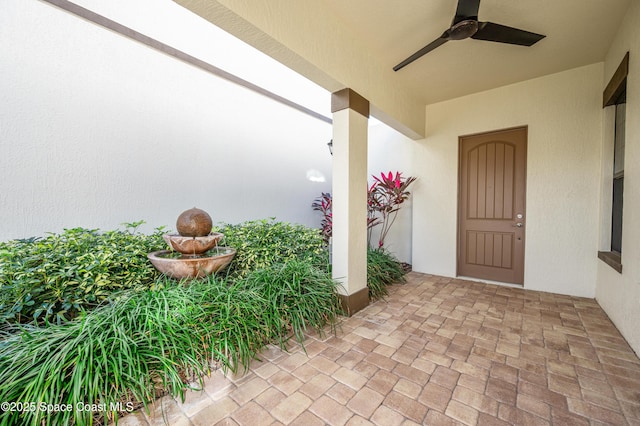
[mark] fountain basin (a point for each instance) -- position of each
(181, 267)
(192, 245)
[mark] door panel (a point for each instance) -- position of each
(491, 212)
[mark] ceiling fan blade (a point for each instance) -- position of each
(502, 34)
(428, 48)
(467, 9)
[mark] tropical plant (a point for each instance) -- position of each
(323, 204)
(52, 279)
(390, 193)
(373, 200)
(384, 198)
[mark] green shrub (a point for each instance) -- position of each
(383, 269)
(130, 348)
(261, 243)
(298, 294)
(55, 277)
(143, 343)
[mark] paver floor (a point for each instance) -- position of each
(436, 351)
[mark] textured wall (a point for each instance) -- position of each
(619, 294)
(391, 151)
(564, 118)
(96, 130)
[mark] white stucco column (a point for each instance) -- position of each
(349, 256)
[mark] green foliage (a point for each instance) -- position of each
(384, 199)
(52, 279)
(387, 194)
(383, 269)
(147, 335)
(144, 342)
(128, 348)
(299, 295)
(261, 243)
(324, 204)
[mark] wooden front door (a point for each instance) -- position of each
(491, 207)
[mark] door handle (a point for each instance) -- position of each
(518, 225)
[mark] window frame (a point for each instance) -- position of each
(614, 95)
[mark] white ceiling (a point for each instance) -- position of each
(578, 32)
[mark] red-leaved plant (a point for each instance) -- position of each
(390, 193)
(384, 198)
(323, 205)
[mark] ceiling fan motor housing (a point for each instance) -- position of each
(463, 29)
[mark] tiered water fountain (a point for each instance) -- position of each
(196, 248)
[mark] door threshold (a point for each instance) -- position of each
(483, 280)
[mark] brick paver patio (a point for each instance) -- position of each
(437, 351)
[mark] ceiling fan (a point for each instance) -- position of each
(465, 24)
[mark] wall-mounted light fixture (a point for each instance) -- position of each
(330, 145)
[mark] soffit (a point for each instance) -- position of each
(356, 43)
(578, 32)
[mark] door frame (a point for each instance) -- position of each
(520, 279)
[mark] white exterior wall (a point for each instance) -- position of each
(563, 115)
(390, 151)
(619, 294)
(97, 130)
(349, 200)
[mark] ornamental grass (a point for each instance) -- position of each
(106, 333)
(141, 345)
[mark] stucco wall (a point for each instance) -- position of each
(619, 294)
(389, 150)
(96, 130)
(563, 115)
